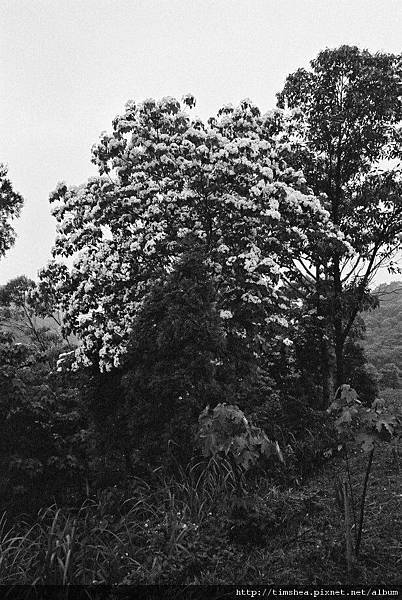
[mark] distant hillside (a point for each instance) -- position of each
(23, 334)
(20, 330)
(384, 327)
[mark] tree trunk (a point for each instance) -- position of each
(339, 346)
(339, 339)
(363, 500)
(348, 533)
(328, 369)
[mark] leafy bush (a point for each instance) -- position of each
(44, 434)
(226, 431)
(304, 434)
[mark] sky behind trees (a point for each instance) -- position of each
(67, 67)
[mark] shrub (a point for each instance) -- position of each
(304, 434)
(44, 434)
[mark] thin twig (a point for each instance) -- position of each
(363, 500)
(351, 493)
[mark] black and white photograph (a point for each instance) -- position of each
(200, 298)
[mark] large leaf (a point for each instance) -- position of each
(387, 422)
(366, 441)
(226, 430)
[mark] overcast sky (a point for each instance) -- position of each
(69, 66)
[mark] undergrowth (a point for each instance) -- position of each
(186, 529)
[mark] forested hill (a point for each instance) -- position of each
(384, 327)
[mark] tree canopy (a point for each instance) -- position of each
(166, 181)
(342, 123)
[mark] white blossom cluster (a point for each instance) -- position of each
(167, 180)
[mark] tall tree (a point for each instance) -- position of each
(342, 122)
(167, 179)
(15, 311)
(10, 206)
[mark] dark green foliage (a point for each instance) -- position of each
(43, 432)
(347, 111)
(304, 434)
(225, 432)
(365, 381)
(351, 101)
(172, 370)
(105, 398)
(314, 359)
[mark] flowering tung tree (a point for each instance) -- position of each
(167, 180)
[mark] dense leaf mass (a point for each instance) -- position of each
(342, 127)
(167, 179)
